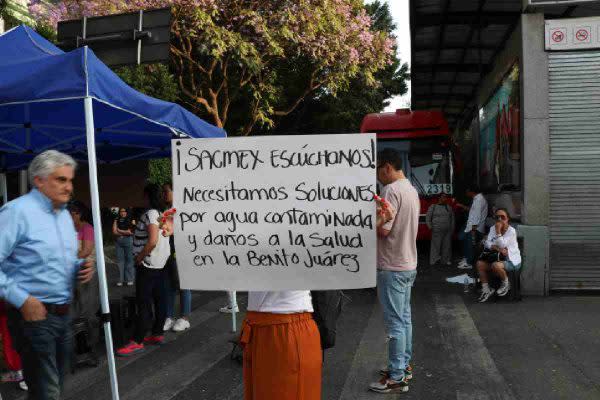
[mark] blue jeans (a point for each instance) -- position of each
(468, 247)
(124, 248)
(185, 302)
(45, 349)
(394, 290)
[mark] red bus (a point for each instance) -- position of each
(423, 140)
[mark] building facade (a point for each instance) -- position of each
(519, 83)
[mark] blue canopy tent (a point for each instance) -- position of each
(73, 103)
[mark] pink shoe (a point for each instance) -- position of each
(130, 349)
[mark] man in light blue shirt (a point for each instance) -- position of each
(38, 270)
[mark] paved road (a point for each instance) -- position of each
(541, 348)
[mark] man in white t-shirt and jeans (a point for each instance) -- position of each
(397, 270)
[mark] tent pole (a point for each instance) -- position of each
(4, 188)
(91, 150)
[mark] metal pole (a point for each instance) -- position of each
(91, 150)
(23, 182)
(233, 321)
(4, 188)
(139, 42)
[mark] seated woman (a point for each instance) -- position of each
(503, 240)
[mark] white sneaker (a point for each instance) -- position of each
(462, 262)
(168, 324)
(485, 295)
(464, 266)
(503, 290)
(12, 376)
(181, 325)
(229, 309)
(23, 386)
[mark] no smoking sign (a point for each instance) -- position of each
(583, 34)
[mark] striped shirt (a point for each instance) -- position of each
(140, 236)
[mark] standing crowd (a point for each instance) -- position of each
(47, 259)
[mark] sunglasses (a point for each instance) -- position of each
(500, 217)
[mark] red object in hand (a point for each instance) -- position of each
(168, 214)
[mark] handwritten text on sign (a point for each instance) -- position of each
(275, 213)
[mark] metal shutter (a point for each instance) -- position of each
(574, 170)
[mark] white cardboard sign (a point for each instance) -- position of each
(275, 213)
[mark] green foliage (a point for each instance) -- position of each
(159, 171)
(152, 79)
(328, 113)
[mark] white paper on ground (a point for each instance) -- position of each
(460, 279)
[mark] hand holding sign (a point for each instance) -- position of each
(166, 222)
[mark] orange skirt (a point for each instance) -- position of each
(282, 357)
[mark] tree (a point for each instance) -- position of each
(243, 64)
(325, 113)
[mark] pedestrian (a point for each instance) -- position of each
(123, 227)
(232, 305)
(185, 296)
(151, 250)
(38, 271)
(440, 219)
(502, 255)
(282, 347)
(397, 270)
(12, 360)
(475, 227)
(86, 299)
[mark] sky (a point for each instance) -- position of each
(399, 9)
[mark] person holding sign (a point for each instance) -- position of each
(282, 347)
(397, 269)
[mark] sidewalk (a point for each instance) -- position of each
(540, 348)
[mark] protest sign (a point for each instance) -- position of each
(275, 213)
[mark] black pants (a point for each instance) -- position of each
(150, 289)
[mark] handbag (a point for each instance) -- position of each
(491, 256)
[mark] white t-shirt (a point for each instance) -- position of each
(477, 214)
(160, 254)
(284, 302)
(506, 241)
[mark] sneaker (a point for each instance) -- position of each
(23, 386)
(12, 376)
(462, 262)
(408, 372)
(131, 349)
(156, 340)
(181, 325)
(386, 385)
(129, 283)
(503, 290)
(119, 284)
(229, 309)
(464, 266)
(485, 295)
(168, 324)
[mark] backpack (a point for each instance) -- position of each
(327, 305)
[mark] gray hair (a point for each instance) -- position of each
(44, 164)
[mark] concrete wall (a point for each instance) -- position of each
(120, 185)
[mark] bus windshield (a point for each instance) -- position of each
(426, 162)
